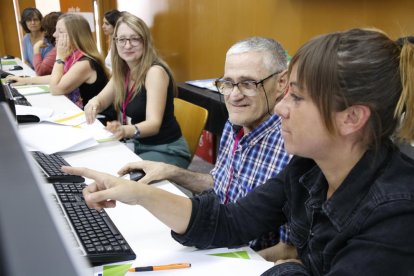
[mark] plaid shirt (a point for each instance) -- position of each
(259, 155)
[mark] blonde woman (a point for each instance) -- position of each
(79, 71)
(142, 91)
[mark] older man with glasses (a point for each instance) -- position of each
(251, 146)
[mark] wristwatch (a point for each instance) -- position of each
(137, 133)
(59, 61)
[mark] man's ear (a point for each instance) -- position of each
(283, 80)
(282, 84)
(353, 119)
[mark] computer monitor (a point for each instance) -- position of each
(32, 239)
(6, 96)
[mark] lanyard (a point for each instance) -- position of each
(130, 93)
(239, 135)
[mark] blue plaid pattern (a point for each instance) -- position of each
(260, 155)
(284, 234)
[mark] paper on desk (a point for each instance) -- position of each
(46, 114)
(201, 264)
(208, 83)
(52, 138)
(41, 112)
(242, 254)
(32, 89)
(98, 131)
(68, 118)
(77, 119)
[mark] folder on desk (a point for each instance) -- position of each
(27, 90)
(8, 62)
(207, 83)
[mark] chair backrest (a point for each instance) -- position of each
(192, 119)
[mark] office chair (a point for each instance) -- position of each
(192, 119)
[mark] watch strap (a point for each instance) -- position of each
(137, 133)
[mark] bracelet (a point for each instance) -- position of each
(59, 61)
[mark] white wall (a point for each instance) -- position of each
(142, 9)
(48, 6)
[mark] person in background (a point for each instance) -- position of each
(142, 89)
(44, 65)
(401, 40)
(251, 147)
(348, 192)
(108, 26)
(407, 147)
(31, 23)
(79, 71)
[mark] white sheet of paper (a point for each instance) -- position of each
(68, 118)
(201, 264)
(98, 131)
(41, 112)
(52, 138)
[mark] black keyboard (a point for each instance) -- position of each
(102, 243)
(51, 167)
(4, 74)
(18, 97)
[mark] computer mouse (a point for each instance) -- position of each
(7, 57)
(11, 81)
(16, 67)
(136, 175)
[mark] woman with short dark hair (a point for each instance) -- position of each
(31, 23)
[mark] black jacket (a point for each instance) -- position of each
(365, 228)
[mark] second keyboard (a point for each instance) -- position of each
(51, 164)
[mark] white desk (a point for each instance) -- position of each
(149, 238)
(26, 71)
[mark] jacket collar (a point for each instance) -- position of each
(346, 199)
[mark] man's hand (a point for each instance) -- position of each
(153, 170)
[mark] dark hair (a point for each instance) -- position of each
(28, 14)
(112, 16)
(360, 67)
(49, 25)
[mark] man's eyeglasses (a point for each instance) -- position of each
(133, 41)
(247, 87)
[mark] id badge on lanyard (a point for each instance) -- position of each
(126, 120)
